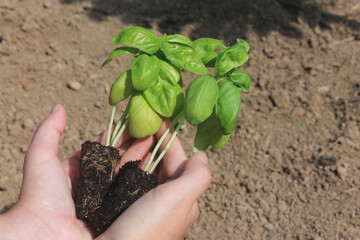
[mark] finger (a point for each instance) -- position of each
(193, 214)
(138, 150)
(193, 181)
(43, 173)
(175, 157)
(145, 161)
(44, 146)
(101, 138)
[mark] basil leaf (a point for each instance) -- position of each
(201, 96)
(209, 136)
(180, 101)
(119, 52)
(143, 120)
(163, 95)
(145, 70)
(240, 79)
(230, 58)
(138, 37)
(210, 60)
(169, 72)
(183, 57)
(244, 43)
(220, 143)
(121, 88)
(206, 46)
(227, 106)
(177, 38)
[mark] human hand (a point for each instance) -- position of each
(46, 210)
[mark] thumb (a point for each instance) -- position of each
(41, 162)
(194, 180)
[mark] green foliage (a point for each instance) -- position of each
(163, 96)
(145, 70)
(205, 47)
(177, 38)
(155, 83)
(240, 80)
(138, 37)
(209, 136)
(183, 57)
(200, 98)
(121, 88)
(227, 106)
(143, 120)
(231, 57)
(120, 51)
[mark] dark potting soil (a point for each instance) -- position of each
(101, 197)
(129, 185)
(97, 167)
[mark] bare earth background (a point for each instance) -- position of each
(292, 167)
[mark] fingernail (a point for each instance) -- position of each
(202, 157)
(55, 108)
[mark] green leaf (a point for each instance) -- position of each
(138, 37)
(180, 101)
(217, 146)
(210, 60)
(177, 38)
(240, 80)
(143, 119)
(119, 52)
(163, 95)
(121, 88)
(209, 136)
(201, 96)
(169, 72)
(206, 46)
(230, 58)
(145, 70)
(183, 57)
(227, 106)
(244, 43)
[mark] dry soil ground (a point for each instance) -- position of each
(292, 167)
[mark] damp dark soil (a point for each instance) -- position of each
(129, 185)
(101, 197)
(97, 168)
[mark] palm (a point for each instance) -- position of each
(46, 208)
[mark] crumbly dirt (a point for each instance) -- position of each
(291, 169)
(129, 185)
(97, 170)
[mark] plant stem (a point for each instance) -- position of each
(118, 135)
(167, 145)
(172, 124)
(119, 123)
(110, 126)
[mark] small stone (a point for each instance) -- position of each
(270, 53)
(74, 85)
(273, 214)
(269, 226)
(47, 4)
(341, 172)
(28, 124)
(282, 206)
(23, 148)
(251, 187)
(264, 206)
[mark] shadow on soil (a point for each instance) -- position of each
(229, 19)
